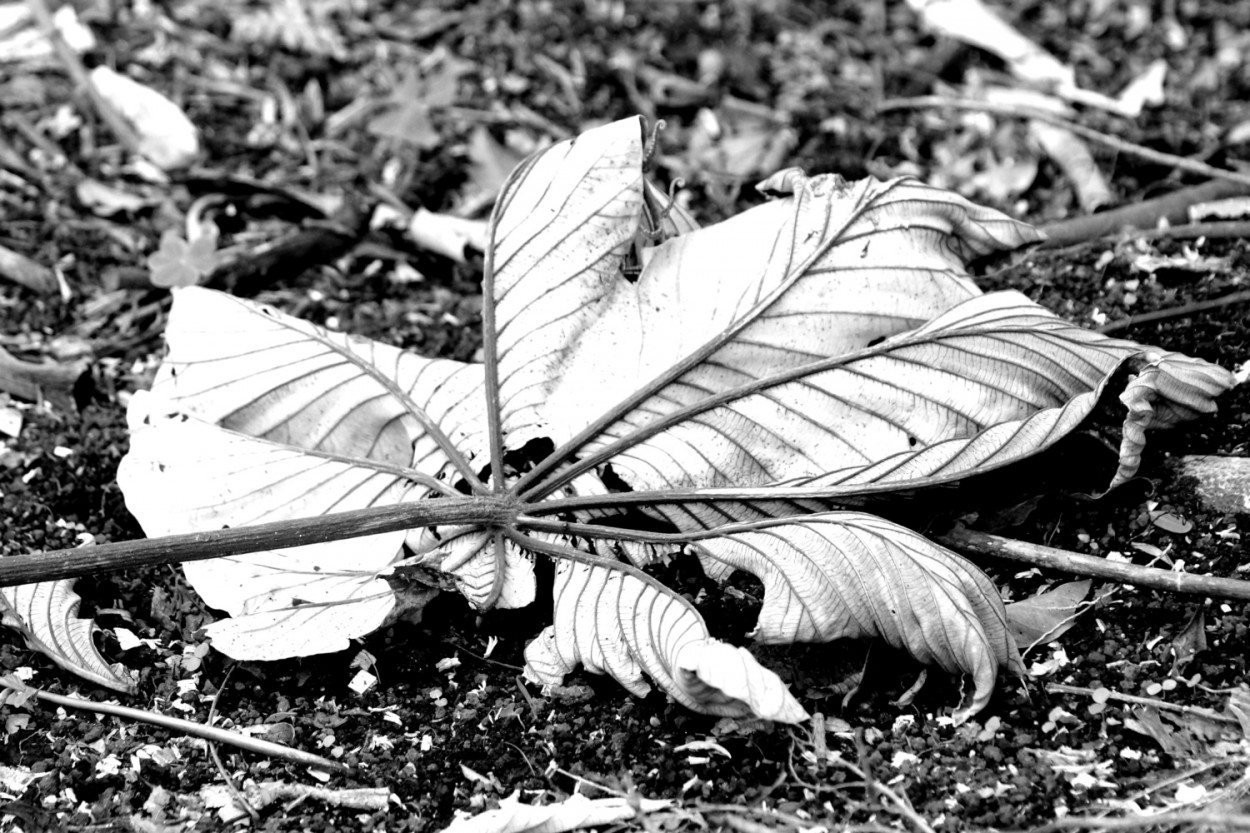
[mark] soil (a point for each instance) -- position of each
(448, 729)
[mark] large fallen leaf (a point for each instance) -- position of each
(649, 389)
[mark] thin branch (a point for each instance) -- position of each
(1198, 711)
(1214, 819)
(1177, 312)
(73, 65)
(982, 543)
(233, 788)
(186, 727)
(1120, 145)
(1215, 230)
(1148, 214)
(217, 543)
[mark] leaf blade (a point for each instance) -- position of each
(46, 614)
(614, 619)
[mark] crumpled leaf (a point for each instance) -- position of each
(1047, 616)
(847, 574)
(573, 813)
(46, 614)
(617, 620)
(715, 392)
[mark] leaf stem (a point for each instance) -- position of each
(196, 546)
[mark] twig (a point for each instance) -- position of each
(239, 797)
(1120, 145)
(1173, 207)
(73, 65)
(982, 543)
(186, 727)
(1176, 312)
(744, 825)
(35, 382)
(1218, 820)
(516, 669)
(1216, 230)
(20, 269)
(899, 804)
(1208, 714)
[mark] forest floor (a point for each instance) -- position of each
(428, 105)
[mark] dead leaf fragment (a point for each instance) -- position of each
(166, 136)
(51, 381)
(1190, 641)
(1048, 615)
(46, 614)
(573, 813)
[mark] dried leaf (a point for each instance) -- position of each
(614, 619)
(1047, 616)
(1191, 641)
(573, 813)
(46, 614)
(651, 390)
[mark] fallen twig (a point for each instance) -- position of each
(20, 269)
(1171, 208)
(982, 543)
(177, 724)
(74, 66)
(239, 798)
(1176, 312)
(1120, 145)
(37, 382)
(1198, 711)
(1214, 819)
(1218, 230)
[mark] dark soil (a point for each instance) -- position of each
(531, 72)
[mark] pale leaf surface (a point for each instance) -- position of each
(779, 286)
(992, 381)
(46, 614)
(573, 813)
(847, 574)
(615, 620)
(184, 474)
(252, 369)
(567, 219)
(256, 417)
